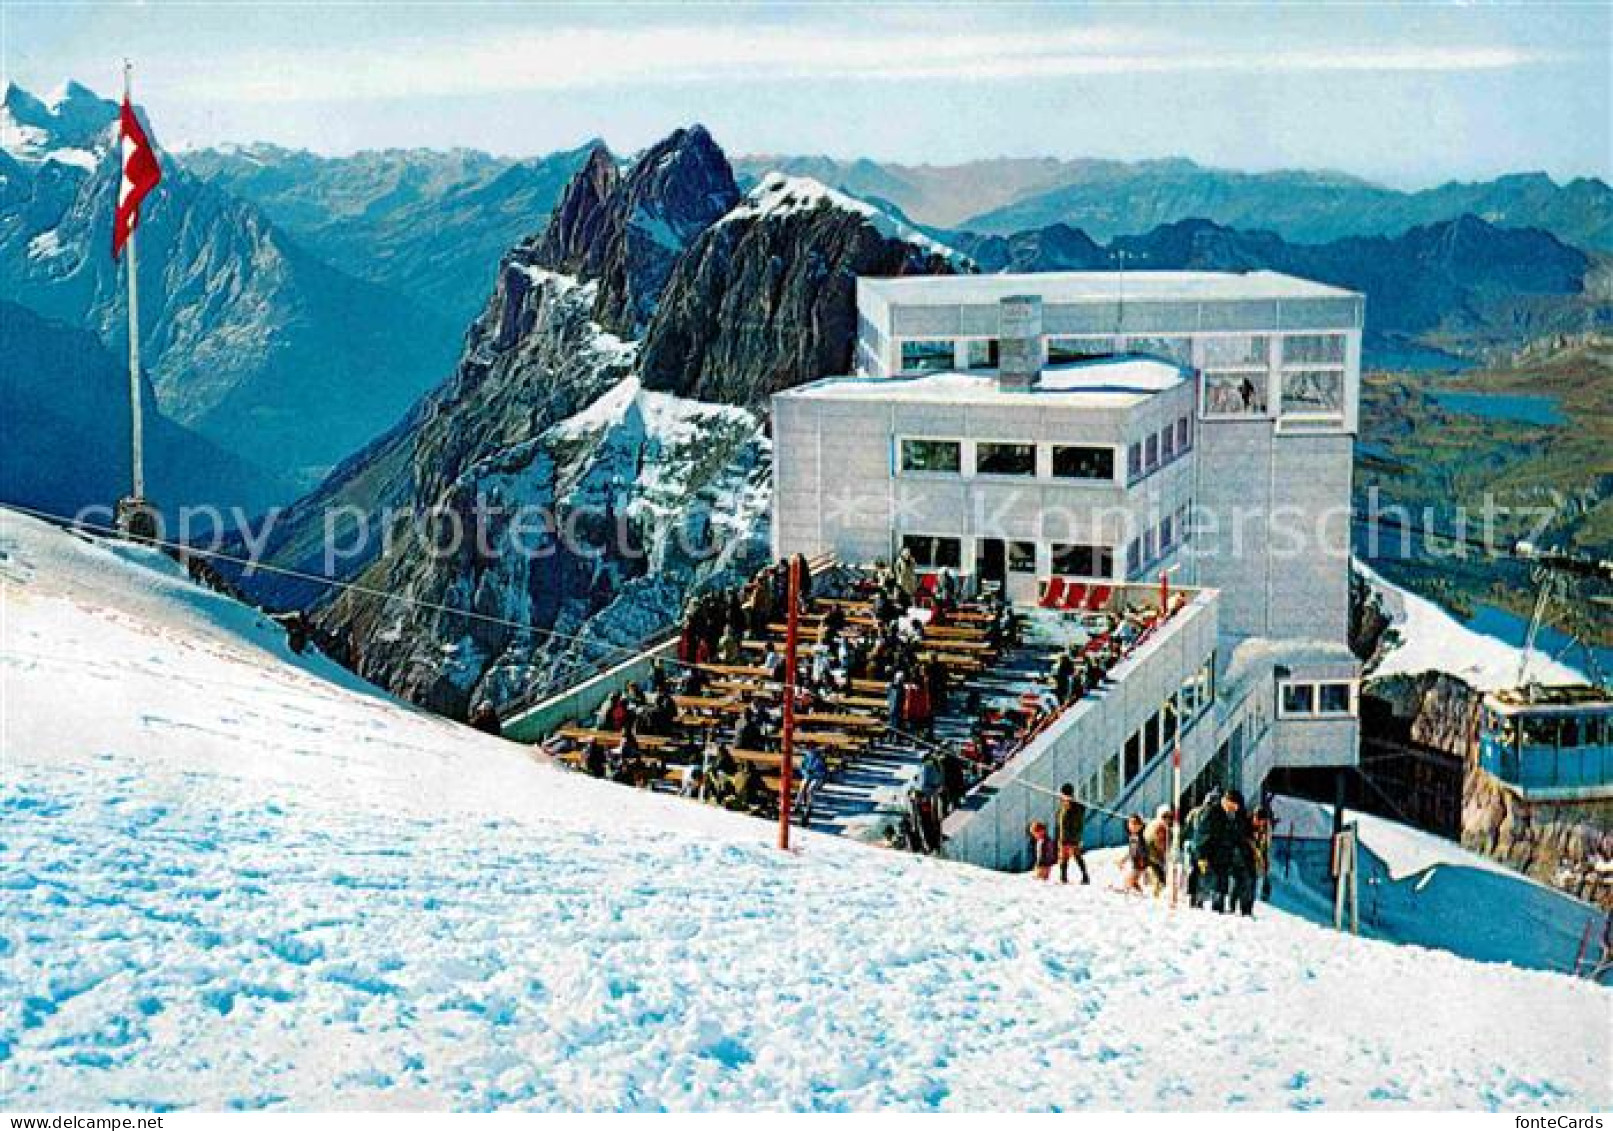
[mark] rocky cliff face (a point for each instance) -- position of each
(767, 297)
(561, 513)
(627, 232)
(553, 503)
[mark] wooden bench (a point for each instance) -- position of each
(611, 738)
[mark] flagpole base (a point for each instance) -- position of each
(137, 519)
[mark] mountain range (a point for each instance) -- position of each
(244, 330)
(1112, 198)
(308, 314)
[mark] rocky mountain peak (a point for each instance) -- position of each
(70, 119)
(627, 231)
(575, 229)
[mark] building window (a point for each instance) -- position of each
(1083, 561)
(941, 456)
(1022, 557)
(1184, 434)
(1167, 443)
(934, 551)
(1236, 368)
(934, 356)
(1134, 557)
(1333, 699)
(1150, 453)
(1177, 351)
(1134, 757)
(1329, 698)
(1134, 462)
(1299, 698)
(1070, 351)
(982, 353)
(1237, 351)
(1313, 349)
(1313, 392)
(1235, 394)
(1072, 462)
(1005, 459)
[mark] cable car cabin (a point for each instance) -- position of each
(1546, 741)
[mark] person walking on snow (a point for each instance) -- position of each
(1043, 851)
(1072, 820)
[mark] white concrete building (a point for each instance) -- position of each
(1105, 428)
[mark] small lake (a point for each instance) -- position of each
(1539, 409)
(1503, 625)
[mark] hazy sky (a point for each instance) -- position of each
(1407, 93)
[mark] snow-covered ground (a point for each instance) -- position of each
(1427, 638)
(1416, 887)
(234, 877)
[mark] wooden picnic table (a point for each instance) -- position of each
(835, 719)
(756, 672)
(835, 739)
(699, 702)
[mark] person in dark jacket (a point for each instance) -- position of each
(1071, 822)
(593, 759)
(1225, 853)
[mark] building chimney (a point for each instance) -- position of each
(1019, 342)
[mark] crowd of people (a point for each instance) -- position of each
(1223, 852)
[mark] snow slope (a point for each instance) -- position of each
(1427, 638)
(233, 877)
(1419, 888)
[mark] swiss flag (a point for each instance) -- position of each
(140, 175)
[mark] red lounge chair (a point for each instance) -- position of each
(1075, 598)
(1098, 598)
(1052, 593)
(927, 582)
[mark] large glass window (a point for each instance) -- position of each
(928, 356)
(1005, 459)
(1236, 351)
(932, 455)
(1313, 349)
(1068, 351)
(1235, 374)
(982, 353)
(1167, 443)
(1134, 757)
(1313, 392)
(1082, 561)
(1178, 351)
(1235, 394)
(934, 551)
(1075, 462)
(1151, 453)
(1134, 461)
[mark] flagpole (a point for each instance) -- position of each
(136, 430)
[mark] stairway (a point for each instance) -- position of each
(870, 794)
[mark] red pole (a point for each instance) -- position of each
(1164, 593)
(787, 745)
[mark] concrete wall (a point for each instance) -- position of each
(837, 488)
(990, 830)
(581, 703)
(1273, 528)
